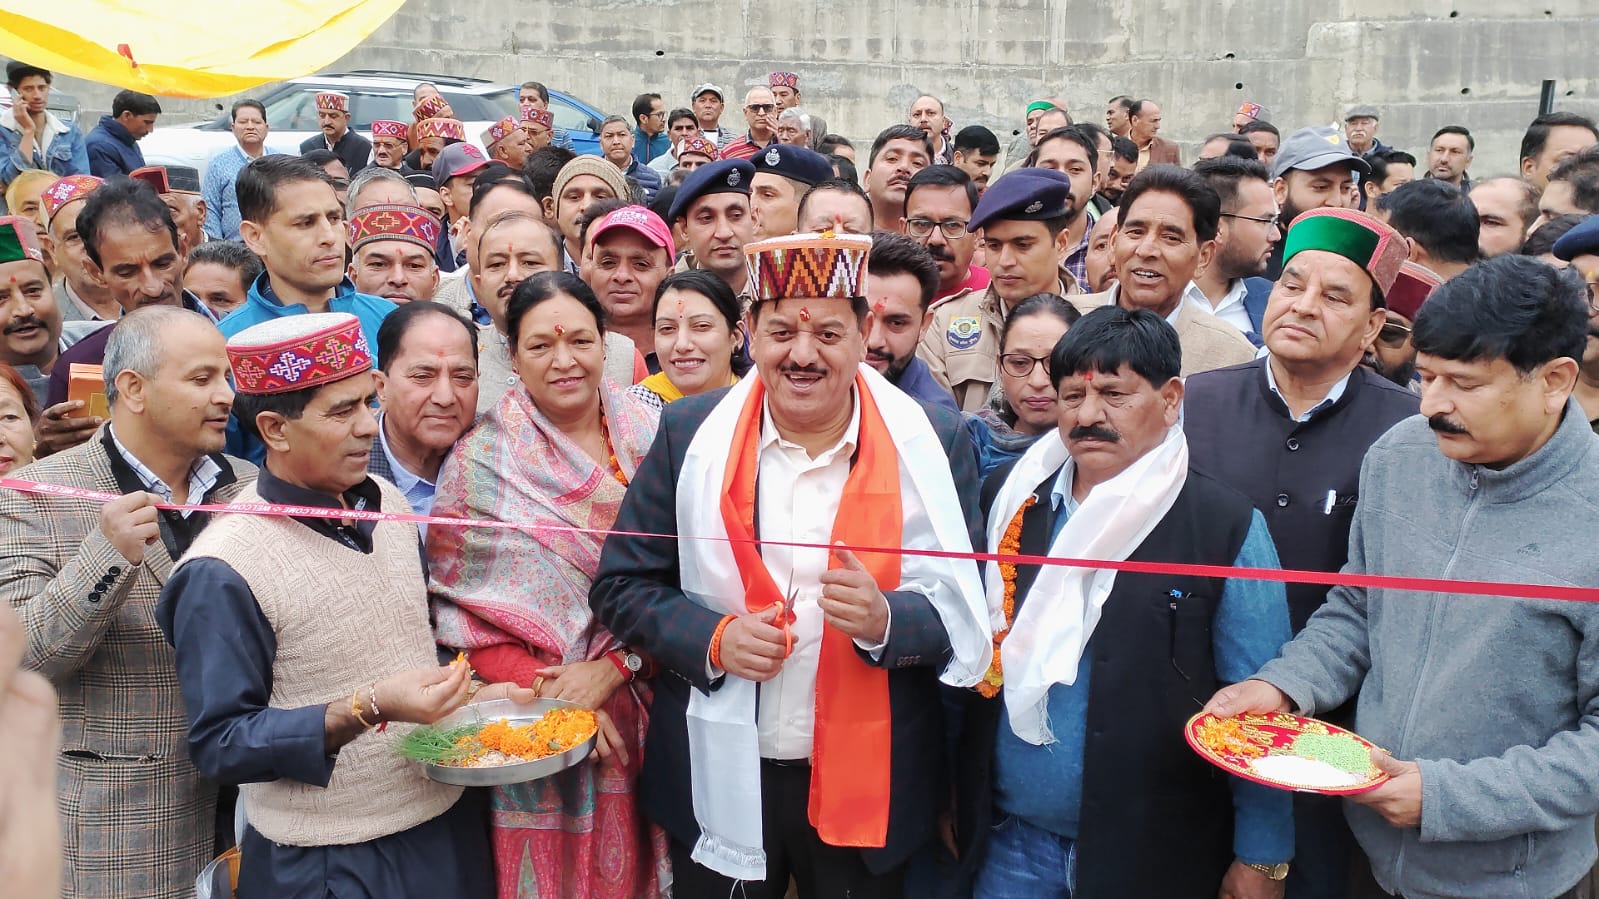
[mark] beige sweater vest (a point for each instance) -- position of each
(343, 619)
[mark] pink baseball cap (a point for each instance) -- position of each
(640, 221)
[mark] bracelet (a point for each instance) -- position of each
(355, 708)
(372, 700)
(615, 656)
(716, 641)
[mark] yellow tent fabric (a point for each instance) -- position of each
(188, 48)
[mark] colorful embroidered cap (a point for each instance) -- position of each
(448, 129)
(1412, 287)
(67, 190)
(809, 266)
(332, 101)
(640, 221)
(429, 107)
(1254, 111)
(778, 79)
(298, 352)
(500, 131)
(388, 128)
(394, 222)
(1353, 235)
(19, 240)
(538, 116)
(696, 143)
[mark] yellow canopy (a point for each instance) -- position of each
(188, 48)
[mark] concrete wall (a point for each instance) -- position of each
(1425, 63)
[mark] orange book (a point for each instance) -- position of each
(87, 382)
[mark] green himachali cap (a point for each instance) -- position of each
(1368, 243)
(18, 240)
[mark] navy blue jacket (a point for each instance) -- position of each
(1257, 292)
(112, 150)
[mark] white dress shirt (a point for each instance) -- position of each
(1231, 308)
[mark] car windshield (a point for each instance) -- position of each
(295, 109)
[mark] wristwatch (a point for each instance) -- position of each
(1278, 871)
(626, 661)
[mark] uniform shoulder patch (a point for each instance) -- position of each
(964, 331)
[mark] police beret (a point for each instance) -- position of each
(1025, 195)
(726, 176)
(1581, 240)
(798, 163)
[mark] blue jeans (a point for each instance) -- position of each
(1026, 862)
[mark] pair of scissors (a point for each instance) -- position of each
(786, 616)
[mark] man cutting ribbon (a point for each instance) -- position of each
(838, 732)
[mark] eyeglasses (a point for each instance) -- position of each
(1020, 365)
(658, 114)
(1393, 335)
(1274, 221)
(952, 229)
(761, 108)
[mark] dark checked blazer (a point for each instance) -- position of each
(138, 819)
(636, 594)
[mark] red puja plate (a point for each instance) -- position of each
(1286, 751)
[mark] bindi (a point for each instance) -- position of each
(1088, 376)
(879, 306)
(559, 331)
(805, 314)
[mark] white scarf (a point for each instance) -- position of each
(724, 746)
(1047, 638)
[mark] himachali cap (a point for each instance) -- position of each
(1353, 235)
(19, 240)
(429, 107)
(720, 177)
(389, 128)
(1415, 283)
(809, 266)
(67, 190)
(1581, 240)
(332, 101)
(449, 129)
(1309, 149)
(696, 143)
(640, 221)
(800, 164)
(707, 86)
(412, 224)
(1361, 112)
(153, 175)
(1255, 111)
(782, 79)
(298, 352)
(182, 179)
(541, 116)
(500, 131)
(1025, 195)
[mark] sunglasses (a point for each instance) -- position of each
(1393, 335)
(761, 108)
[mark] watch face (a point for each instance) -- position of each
(634, 663)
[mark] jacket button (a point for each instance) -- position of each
(1282, 500)
(116, 570)
(96, 596)
(1293, 444)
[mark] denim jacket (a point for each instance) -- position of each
(68, 153)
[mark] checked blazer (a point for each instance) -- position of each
(138, 818)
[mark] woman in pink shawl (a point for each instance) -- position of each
(558, 452)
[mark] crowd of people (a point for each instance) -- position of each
(756, 403)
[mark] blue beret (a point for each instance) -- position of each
(725, 176)
(1027, 195)
(803, 165)
(1582, 240)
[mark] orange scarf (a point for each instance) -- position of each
(853, 730)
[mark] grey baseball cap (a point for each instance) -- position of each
(1309, 149)
(1361, 112)
(707, 86)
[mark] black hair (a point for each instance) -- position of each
(123, 201)
(642, 104)
(1258, 125)
(831, 142)
(1526, 195)
(1581, 171)
(1471, 142)
(593, 212)
(1039, 304)
(1123, 148)
(662, 204)
(845, 169)
(1438, 216)
(976, 137)
(1137, 108)
(1542, 239)
(258, 183)
(246, 103)
(1532, 143)
(709, 285)
(1509, 307)
(899, 132)
(1380, 163)
(134, 102)
(895, 254)
(1064, 113)
(291, 405)
(547, 286)
(942, 176)
(1124, 101)
(837, 186)
(1067, 133)
(1201, 199)
(542, 167)
(1110, 337)
(510, 178)
(320, 157)
(17, 71)
(680, 113)
(1225, 173)
(1238, 146)
(233, 254)
(537, 88)
(399, 322)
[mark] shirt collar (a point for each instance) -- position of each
(1333, 395)
(1236, 291)
(1060, 496)
(1184, 297)
(846, 444)
(203, 474)
(403, 478)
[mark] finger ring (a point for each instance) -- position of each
(538, 685)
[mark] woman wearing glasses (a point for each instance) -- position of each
(1023, 405)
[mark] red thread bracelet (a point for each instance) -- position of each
(716, 641)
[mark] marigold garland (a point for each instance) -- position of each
(1009, 545)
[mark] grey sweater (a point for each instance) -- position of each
(1496, 698)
